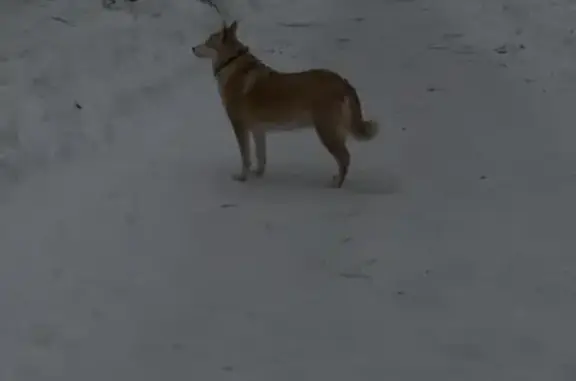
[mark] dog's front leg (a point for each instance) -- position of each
(259, 137)
(244, 146)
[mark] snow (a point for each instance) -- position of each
(128, 253)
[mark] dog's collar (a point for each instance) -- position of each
(224, 64)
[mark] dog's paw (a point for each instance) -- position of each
(259, 172)
(336, 182)
(240, 177)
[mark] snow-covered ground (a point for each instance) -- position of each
(128, 253)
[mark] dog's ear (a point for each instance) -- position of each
(229, 31)
(233, 28)
(224, 32)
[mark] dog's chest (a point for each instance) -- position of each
(239, 85)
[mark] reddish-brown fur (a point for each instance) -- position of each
(259, 99)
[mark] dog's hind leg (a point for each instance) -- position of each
(335, 143)
(244, 147)
(259, 137)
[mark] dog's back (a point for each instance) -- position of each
(276, 101)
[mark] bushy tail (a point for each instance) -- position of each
(365, 130)
(360, 129)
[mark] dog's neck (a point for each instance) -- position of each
(228, 61)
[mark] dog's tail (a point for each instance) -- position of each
(359, 128)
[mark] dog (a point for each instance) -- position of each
(259, 99)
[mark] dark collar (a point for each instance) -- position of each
(224, 64)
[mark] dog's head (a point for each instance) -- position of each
(218, 44)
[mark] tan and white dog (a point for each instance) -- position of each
(259, 99)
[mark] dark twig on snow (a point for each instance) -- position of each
(210, 3)
(62, 20)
